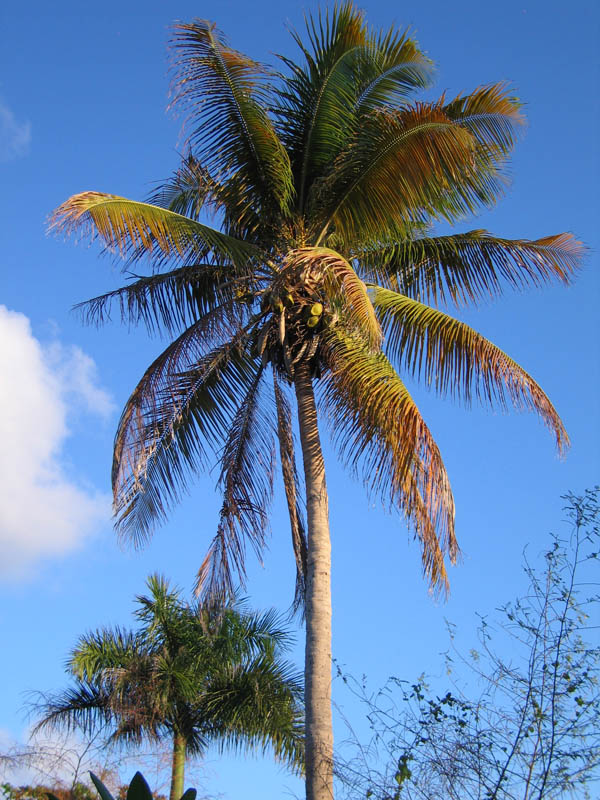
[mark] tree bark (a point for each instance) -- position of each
(178, 766)
(317, 672)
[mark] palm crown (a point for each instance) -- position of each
(324, 269)
(190, 673)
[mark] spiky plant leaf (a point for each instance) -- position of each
(102, 790)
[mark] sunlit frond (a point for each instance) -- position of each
(246, 482)
(184, 404)
(225, 98)
(467, 267)
(455, 359)
(291, 485)
(135, 230)
(491, 114)
(391, 71)
(379, 429)
(312, 96)
(342, 287)
(408, 164)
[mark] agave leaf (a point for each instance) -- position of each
(102, 790)
(138, 788)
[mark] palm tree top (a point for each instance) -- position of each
(326, 180)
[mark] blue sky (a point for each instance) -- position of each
(83, 92)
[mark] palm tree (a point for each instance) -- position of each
(190, 673)
(323, 271)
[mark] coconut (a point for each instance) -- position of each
(316, 309)
(313, 321)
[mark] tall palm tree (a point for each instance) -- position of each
(190, 673)
(323, 271)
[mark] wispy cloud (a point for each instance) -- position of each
(15, 136)
(43, 511)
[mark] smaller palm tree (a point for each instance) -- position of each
(190, 673)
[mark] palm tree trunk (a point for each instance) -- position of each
(317, 670)
(178, 766)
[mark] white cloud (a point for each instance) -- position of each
(15, 136)
(43, 512)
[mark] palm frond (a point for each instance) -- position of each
(246, 481)
(456, 360)
(189, 190)
(467, 267)
(257, 708)
(184, 404)
(174, 300)
(83, 707)
(406, 164)
(225, 97)
(392, 69)
(311, 97)
(491, 114)
(291, 485)
(377, 426)
(134, 230)
(102, 650)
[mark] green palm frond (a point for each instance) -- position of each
(257, 709)
(172, 301)
(225, 97)
(134, 230)
(408, 164)
(378, 427)
(246, 482)
(173, 415)
(85, 707)
(291, 485)
(393, 68)
(467, 267)
(311, 97)
(456, 360)
(102, 650)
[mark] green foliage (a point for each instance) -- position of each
(189, 673)
(322, 178)
(138, 789)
